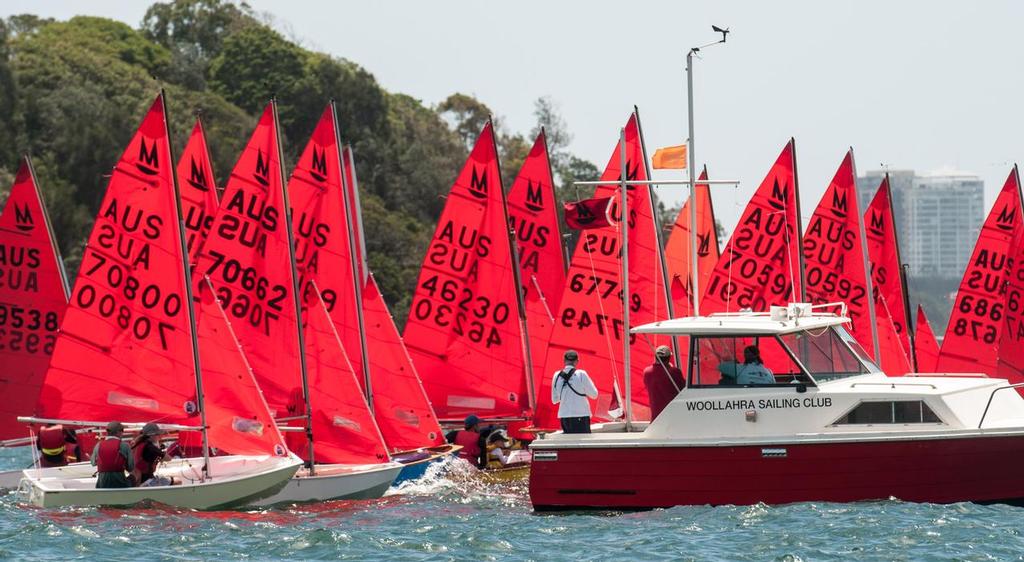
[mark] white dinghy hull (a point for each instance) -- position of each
(336, 482)
(236, 481)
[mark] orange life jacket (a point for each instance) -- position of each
(110, 458)
(470, 441)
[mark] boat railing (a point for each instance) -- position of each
(893, 384)
(992, 395)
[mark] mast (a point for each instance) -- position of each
(357, 277)
(904, 285)
(799, 229)
(524, 333)
(867, 265)
(694, 291)
(624, 227)
(357, 211)
(200, 398)
(295, 291)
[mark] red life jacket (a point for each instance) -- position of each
(51, 445)
(109, 457)
(144, 467)
(470, 441)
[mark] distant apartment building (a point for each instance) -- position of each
(938, 216)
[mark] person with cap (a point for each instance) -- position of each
(112, 458)
(571, 389)
(497, 443)
(472, 439)
(663, 380)
(147, 455)
(751, 371)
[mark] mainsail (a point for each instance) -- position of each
(1010, 357)
(976, 321)
(33, 298)
(677, 250)
(887, 281)
(761, 264)
(198, 190)
(590, 319)
(125, 349)
(533, 214)
(463, 331)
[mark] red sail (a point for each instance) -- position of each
(400, 404)
(463, 331)
(925, 345)
(344, 428)
(198, 190)
(239, 420)
(590, 318)
(33, 298)
(887, 277)
(833, 252)
(1010, 358)
(533, 212)
(971, 344)
(125, 348)
(760, 266)
(588, 213)
(677, 251)
(246, 255)
(895, 359)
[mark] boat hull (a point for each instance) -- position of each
(236, 481)
(981, 468)
(425, 457)
(336, 482)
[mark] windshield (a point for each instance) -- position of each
(826, 353)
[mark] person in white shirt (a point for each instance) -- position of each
(571, 389)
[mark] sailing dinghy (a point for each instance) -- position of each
(127, 351)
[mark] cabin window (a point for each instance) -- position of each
(824, 354)
(732, 361)
(875, 413)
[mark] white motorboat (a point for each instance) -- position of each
(336, 482)
(236, 480)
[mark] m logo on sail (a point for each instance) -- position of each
(780, 195)
(262, 173)
(534, 197)
(705, 244)
(197, 177)
(1007, 217)
(478, 184)
(23, 218)
(876, 226)
(147, 163)
(319, 167)
(839, 208)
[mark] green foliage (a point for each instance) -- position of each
(467, 115)
(254, 65)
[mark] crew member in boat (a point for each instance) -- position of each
(147, 454)
(473, 440)
(498, 453)
(56, 444)
(751, 371)
(113, 459)
(663, 380)
(572, 390)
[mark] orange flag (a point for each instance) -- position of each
(670, 158)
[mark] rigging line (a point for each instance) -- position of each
(732, 251)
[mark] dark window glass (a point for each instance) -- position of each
(903, 411)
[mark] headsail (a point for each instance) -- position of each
(463, 331)
(677, 251)
(198, 190)
(33, 298)
(1010, 357)
(976, 321)
(125, 350)
(591, 316)
(533, 214)
(925, 345)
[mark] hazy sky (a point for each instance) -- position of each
(918, 85)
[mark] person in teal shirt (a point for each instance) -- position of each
(751, 371)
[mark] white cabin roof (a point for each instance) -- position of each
(740, 324)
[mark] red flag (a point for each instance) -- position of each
(33, 298)
(588, 213)
(677, 251)
(533, 215)
(125, 350)
(463, 331)
(760, 266)
(972, 336)
(833, 252)
(198, 191)
(925, 345)
(590, 318)
(1010, 357)
(238, 417)
(887, 280)
(247, 257)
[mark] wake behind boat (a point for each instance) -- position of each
(829, 426)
